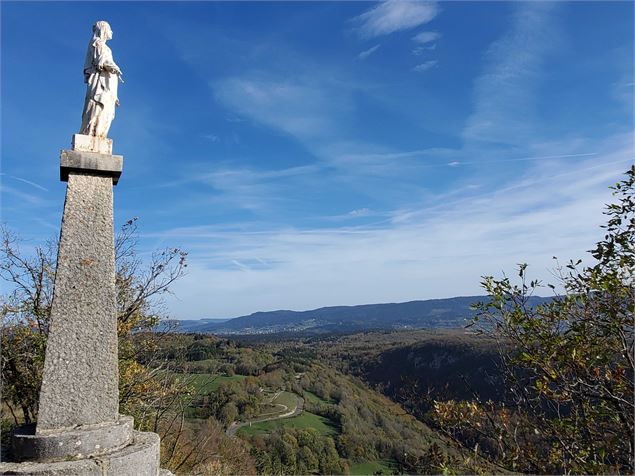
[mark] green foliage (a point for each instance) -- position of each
(147, 388)
(352, 423)
(375, 468)
(297, 451)
(25, 321)
(568, 364)
(228, 413)
(206, 383)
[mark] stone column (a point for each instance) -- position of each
(79, 429)
(80, 385)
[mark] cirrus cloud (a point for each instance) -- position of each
(426, 37)
(394, 15)
(366, 53)
(423, 67)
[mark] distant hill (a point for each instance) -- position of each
(429, 314)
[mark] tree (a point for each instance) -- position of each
(25, 320)
(26, 315)
(568, 364)
(147, 391)
(148, 354)
(228, 413)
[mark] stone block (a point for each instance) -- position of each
(81, 376)
(103, 165)
(81, 442)
(140, 458)
(101, 145)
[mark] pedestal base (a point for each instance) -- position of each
(81, 442)
(140, 458)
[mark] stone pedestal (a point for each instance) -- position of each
(79, 430)
(140, 458)
(80, 385)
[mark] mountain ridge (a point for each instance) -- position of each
(418, 314)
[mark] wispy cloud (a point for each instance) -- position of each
(243, 188)
(360, 212)
(394, 15)
(20, 195)
(431, 221)
(423, 67)
(211, 137)
(505, 93)
(426, 37)
(425, 42)
(414, 255)
(366, 53)
(29, 182)
(300, 106)
(419, 50)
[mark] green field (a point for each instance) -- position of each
(288, 399)
(204, 383)
(302, 421)
(313, 398)
(373, 467)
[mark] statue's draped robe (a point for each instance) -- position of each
(101, 92)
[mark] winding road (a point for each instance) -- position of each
(235, 426)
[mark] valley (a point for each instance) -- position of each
(311, 406)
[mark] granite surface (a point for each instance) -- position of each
(80, 381)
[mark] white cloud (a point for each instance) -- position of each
(30, 197)
(419, 50)
(301, 107)
(423, 67)
(425, 251)
(395, 15)
(360, 212)
(211, 137)
(505, 93)
(425, 42)
(243, 188)
(29, 182)
(421, 243)
(366, 53)
(426, 37)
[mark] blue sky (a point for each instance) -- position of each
(329, 153)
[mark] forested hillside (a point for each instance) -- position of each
(417, 367)
(342, 426)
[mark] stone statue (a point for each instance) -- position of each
(102, 75)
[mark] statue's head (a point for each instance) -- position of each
(101, 30)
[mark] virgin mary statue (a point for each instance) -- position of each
(101, 74)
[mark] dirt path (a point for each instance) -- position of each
(234, 427)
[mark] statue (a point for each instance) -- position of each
(102, 75)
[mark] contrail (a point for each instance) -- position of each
(544, 157)
(30, 183)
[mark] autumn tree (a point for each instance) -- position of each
(147, 389)
(568, 364)
(26, 315)
(25, 320)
